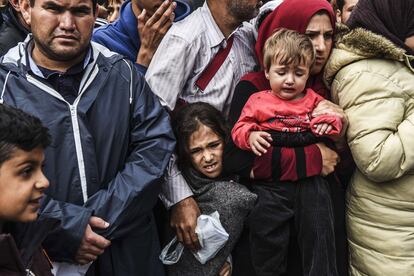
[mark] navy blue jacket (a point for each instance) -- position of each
(122, 35)
(109, 152)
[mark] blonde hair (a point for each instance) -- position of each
(286, 47)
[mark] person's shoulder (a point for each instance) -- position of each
(182, 10)
(105, 32)
(103, 55)
(190, 28)
(246, 33)
(99, 22)
(309, 92)
(263, 95)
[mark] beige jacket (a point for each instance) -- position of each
(372, 80)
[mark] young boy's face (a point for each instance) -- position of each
(22, 184)
(287, 81)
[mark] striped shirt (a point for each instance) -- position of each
(185, 51)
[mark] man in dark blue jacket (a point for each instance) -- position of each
(111, 141)
(140, 28)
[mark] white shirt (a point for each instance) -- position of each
(185, 51)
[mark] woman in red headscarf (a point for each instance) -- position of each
(316, 19)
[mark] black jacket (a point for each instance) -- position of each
(11, 30)
(20, 253)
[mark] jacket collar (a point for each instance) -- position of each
(358, 44)
(16, 59)
(214, 34)
(35, 69)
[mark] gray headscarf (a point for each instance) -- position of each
(393, 19)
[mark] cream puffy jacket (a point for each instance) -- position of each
(373, 81)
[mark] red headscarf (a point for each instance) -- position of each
(294, 15)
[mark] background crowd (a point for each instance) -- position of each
(121, 122)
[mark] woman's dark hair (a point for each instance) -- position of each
(340, 4)
(20, 130)
(188, 120)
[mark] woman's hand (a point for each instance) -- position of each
(326, 107)
(329, 159)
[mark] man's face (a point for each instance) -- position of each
(61, 28)
(343, 15)
(22, 184)
(243, 10)
(150, 5)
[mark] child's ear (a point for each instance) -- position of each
(267, 74)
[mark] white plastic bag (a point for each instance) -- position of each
(169, 258)
(211, 235)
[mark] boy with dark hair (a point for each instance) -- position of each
(22, 141)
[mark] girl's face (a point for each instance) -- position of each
(320, 31)
(206, 150)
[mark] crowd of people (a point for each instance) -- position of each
(287, 123)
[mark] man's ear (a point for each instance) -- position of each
(101, 12)
(15, 5)
(25, 10)
(338, 16)
(96, 11)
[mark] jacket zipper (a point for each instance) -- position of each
(75, 124)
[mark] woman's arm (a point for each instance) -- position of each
(381, 123)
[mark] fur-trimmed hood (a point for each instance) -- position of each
(358, 44)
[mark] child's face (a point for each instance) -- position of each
(206, 149)
(287, 81)
(22, 184)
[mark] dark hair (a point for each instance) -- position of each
(188, 120)
(340, 4)
(94, 2)
(20, 130)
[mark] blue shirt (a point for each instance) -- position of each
(122, 35)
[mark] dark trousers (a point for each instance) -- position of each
(308, 204)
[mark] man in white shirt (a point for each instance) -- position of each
(177, 66)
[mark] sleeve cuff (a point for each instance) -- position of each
(141, 68)
(174, 188)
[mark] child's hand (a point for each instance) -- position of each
(323, 128)
(259, 142)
